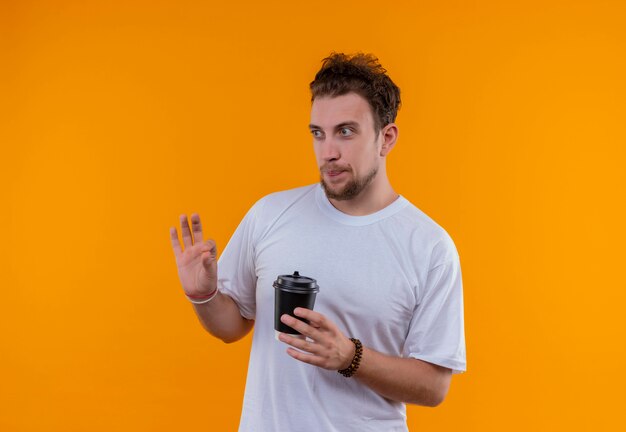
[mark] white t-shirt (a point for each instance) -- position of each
(391, 279)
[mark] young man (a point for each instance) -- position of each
(389, 313)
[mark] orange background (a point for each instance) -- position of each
(115, 117)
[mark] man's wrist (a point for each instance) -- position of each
(202, 299)
(355, 361)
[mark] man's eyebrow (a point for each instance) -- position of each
(339, 126)
(346, 124)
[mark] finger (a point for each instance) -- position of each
(301, 327)
(315, 319)
(306, 358)
(184, 227)
(196, 228)
(175, 242)
(301, 344)
(210, 253)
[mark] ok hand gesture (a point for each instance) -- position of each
(197, 264)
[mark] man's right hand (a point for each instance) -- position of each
(197, 264)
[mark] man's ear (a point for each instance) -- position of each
(390, 135)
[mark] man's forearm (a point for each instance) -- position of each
(221, 318)
(404, 379)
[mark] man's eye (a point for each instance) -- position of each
(316, 133)
(346, 132)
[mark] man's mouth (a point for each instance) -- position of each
(333, 173)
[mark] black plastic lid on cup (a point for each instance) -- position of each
(296, 283)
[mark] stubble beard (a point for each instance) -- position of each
(352, 189)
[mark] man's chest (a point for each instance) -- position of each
(366, 286)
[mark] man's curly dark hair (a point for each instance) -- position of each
(362, 74)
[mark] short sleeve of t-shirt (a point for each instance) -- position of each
(236, 274)
(436, 332)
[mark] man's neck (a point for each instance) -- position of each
(373, 198)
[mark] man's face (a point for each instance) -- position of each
(346, 146)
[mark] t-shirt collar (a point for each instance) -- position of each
(329, 210)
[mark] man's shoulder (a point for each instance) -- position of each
(289, 196)
(275, 203)
(424, 231)
(414, 218)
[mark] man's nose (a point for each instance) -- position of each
(329, 150)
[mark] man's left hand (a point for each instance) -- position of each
(325, 345)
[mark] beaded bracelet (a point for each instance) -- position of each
(354, 365)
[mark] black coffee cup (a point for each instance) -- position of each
(292, 291)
